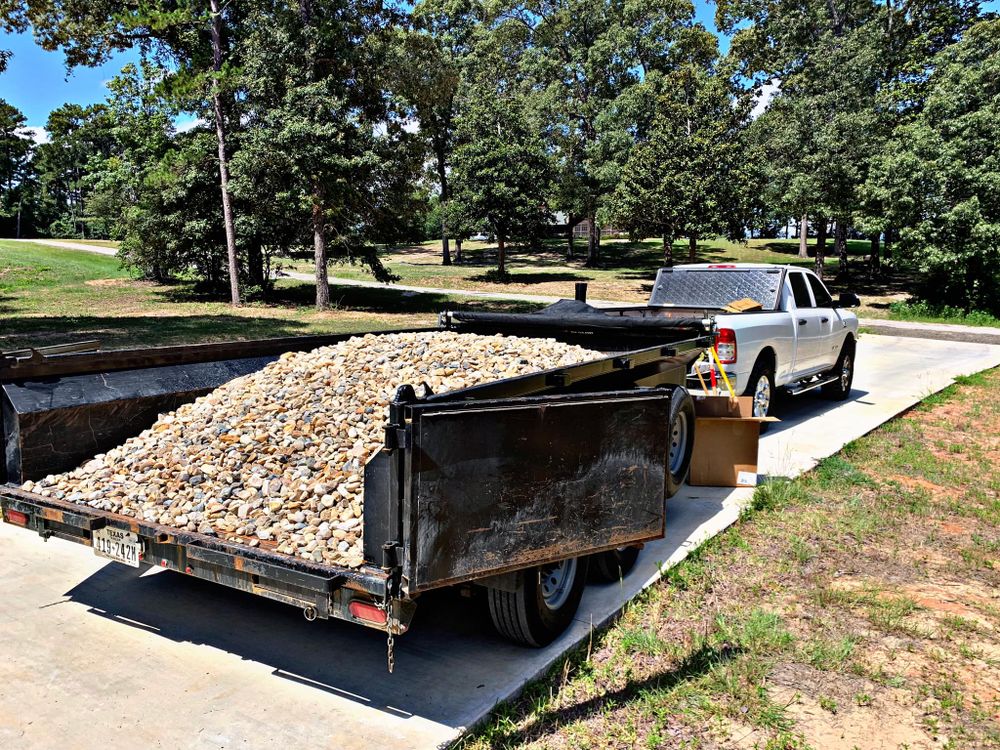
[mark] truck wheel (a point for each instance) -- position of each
(542, 603)
(760, 387)
(840, 388)
(681, 439)
(613, 565)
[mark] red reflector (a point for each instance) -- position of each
(722, 265)
(365, 611)
(16, 516)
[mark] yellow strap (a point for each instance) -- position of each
(725, 378)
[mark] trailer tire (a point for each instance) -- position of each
(613, 565)
(840, 389)
(534, 613)
(681, 439)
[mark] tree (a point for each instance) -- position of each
(501, 170)
(77, 135)
(193, 36)
(939, 177)
(15, 152)
(581, 59)
(317, 110)
(427, 74)
(684, 177)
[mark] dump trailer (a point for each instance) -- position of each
(516, 486)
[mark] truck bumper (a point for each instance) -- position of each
(736, 379)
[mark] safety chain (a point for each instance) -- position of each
(390, 644)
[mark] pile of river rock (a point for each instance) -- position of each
(277, 457)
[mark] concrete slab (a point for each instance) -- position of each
(98, 656)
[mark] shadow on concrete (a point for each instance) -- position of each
(450, 668)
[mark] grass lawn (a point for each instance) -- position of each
(854, 607)
(52, 295)
(626, 273)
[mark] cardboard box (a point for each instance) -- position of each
(726, 438)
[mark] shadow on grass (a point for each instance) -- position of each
(393, 301)
(538, 277)
(696, 665)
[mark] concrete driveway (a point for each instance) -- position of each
(98, 656)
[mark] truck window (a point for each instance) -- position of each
(799, 289)
(823, 298)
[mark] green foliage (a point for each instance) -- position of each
(500, 168)
(940, 174)
(924, 311)
(685, 175)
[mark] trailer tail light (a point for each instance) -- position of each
(16, 517)
(366, 611)
(725, 345)
(722, 265)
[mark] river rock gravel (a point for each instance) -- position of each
(276, 458)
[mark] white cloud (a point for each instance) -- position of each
(194, 122)
(36, 133)
(767, 92)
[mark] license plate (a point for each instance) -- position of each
(118, 545)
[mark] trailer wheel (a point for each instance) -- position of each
(613, 565)
(681, 439)
(542, 603)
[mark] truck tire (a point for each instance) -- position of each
(681, 440)
(760, 388)
(541, 604)
(840, 389)
(613, 565)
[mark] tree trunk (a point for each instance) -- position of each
(593, 239)
(445, 251)
(668, 249)
(820, 246)
(876, 261)
(319, 252)
(804, 236)
(220, 135)
(692, 248)
(840, 249)
(443, 179)
(502, 257)
(890, 238)
(255, 266)
(458, 249)
(569, 239)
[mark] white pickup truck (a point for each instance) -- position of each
(799, 339)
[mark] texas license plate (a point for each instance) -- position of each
(118, 545)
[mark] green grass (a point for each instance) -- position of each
(52, 295)
(925, 313)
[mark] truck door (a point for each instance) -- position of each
(808, 326)
(830, 338)
(496, 486)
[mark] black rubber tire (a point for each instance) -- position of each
(681, 406)
(613, 565)
(840, 389)
(523, 617)
(762, 367)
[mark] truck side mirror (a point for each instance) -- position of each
(848, 299)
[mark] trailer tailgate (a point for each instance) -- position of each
(496, 486)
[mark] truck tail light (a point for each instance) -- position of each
(16, 517)
(366, 611)
(725, 345)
